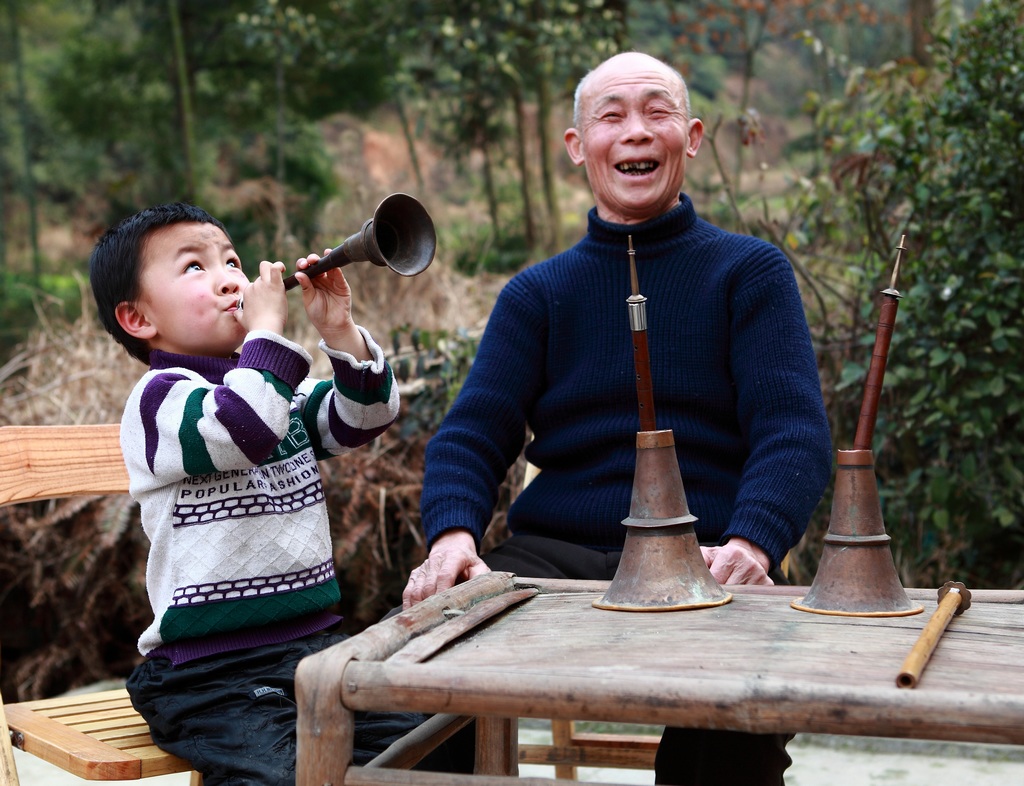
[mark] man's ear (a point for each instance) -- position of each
(133, 321)
(694, 137)
(574, 144)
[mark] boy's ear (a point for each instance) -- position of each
(133, 321)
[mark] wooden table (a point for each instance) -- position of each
(499, 648)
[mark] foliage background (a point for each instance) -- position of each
(834, 128)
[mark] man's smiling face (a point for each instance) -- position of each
(633, 137)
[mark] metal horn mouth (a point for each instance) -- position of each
(400, 236)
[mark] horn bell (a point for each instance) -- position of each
(661, 568)
(856, 575)
(399, 236)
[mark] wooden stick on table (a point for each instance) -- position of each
(954, 599)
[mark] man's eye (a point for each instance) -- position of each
(193, 266)
(234, 263)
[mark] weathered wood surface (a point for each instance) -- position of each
(325, 726)
(755, 664)
(752, 665)
(584, 749)
(363, 776)
(44, 462)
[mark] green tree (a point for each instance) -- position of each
(184, 92)
(28, 185)
(288, 33)
(137, 81)
(937, 154)
(743, 30)
(483, 63)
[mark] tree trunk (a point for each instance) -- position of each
(3, 218)
(184, 100)
(410, 142)
(282, 191)
(492, 197)
(751, 48)
(748, 75)
(547, 165)
(921, 14)
(529, 230)
(28, 185)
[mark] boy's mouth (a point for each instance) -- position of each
(637, 167)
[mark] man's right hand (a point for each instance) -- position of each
(452, 559)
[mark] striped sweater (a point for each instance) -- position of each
(222, 458)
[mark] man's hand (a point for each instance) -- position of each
(452, 559)
(738, 562)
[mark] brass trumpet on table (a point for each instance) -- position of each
(856, 574)
(661, 568)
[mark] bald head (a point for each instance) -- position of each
(623, 61)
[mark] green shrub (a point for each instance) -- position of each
(940, 157)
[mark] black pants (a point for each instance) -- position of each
(686, 757)
(232, 716)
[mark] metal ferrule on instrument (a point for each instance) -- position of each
(637, 305)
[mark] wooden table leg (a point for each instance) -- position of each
(497, 746)
(325, 727)
(561, 737)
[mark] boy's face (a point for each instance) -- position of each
(190, 281)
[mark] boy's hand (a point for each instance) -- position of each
(327, 299)
(264, 303)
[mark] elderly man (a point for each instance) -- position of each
(734, 377)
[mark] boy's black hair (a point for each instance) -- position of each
(116, 261)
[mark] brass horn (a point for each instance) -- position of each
(661, 568)
(856, 575)
(399, 236)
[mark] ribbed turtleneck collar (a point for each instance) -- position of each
(678, 219)
(210, 368)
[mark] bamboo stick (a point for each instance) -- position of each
(954, 599)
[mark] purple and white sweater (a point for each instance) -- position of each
(222, 458)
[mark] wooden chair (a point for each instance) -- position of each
(8, 768)
(571, 749)
(96, 736)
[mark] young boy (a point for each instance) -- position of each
(221, 437)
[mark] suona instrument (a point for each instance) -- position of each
(399, 236)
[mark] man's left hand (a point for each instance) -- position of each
(738, 562)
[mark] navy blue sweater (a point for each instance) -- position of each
(734, 376)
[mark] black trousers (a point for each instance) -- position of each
(232, 716)
(686, 757)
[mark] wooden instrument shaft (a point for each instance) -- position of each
(644, 386)
(876, 373)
